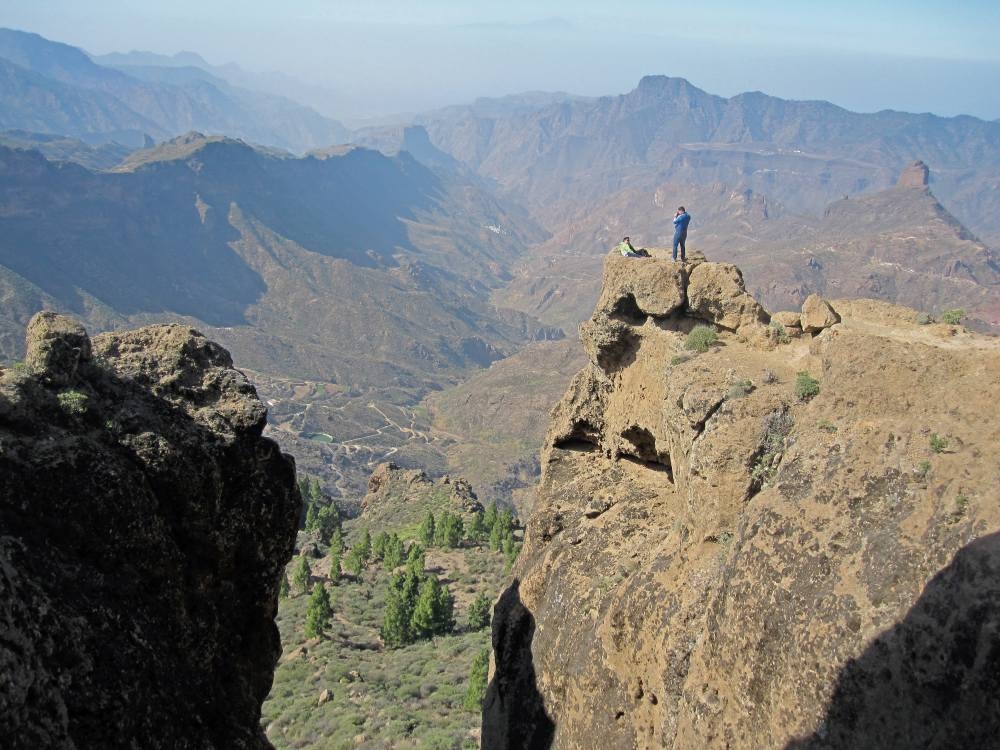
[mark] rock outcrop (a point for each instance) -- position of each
(916, 174)
(144, 523)
(721, 557)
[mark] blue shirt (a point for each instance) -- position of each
(681, 223)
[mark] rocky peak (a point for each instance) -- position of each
(915, 175)
(787, 540)
(145, 525)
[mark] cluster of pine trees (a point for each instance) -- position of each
(417, 604)
(494, 526)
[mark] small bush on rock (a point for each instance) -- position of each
(806, 386)
(780, 332)
(953, 317)
(701, 338)
(73, 402)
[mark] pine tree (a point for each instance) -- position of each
(479, 612)
(491, 516)
(392, 557)
(449, 531)
(327, 522)
(318, 612)
(416, 559)
(354, 563)
(301, 575)
(283, 587)
(477, 530)
(496, 538)
(365, 547)
(511, 556)
(427, 529)
(378, 545)
(334, 566)
(337, 540)
(315, 492)
(444, 611)
(400, 600)
(424, 623)
(476, 692)
(312, 518)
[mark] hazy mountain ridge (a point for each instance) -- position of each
(53, 87)
(575, 152)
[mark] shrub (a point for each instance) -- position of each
(806, 386)
(924, 319)
(826, 425)
(741, 388)
(953, 317)
(73, 402)
(701, 338)
(780, 332)
(679, 359)
(923, 469)
(938, 443)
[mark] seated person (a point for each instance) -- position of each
(626, 249)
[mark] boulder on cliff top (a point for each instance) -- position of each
(56, 346)
(641, 286)
(716, 293)
(145, 524)
(817, 314)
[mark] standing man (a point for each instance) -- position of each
(681, 220)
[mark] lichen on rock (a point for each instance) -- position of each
(144, 524)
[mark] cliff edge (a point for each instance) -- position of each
(786, 541)
(144, 523)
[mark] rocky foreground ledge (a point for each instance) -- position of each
(144, 523)
(724, 554)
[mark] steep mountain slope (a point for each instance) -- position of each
(146, 524)
(54, 88)
(366, 274)
(724, 553)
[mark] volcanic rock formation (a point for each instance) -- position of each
(721, 556)
(144, 523)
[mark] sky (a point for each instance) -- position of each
(377, 57)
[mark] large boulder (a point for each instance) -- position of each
(817, 314)
(638, 287)
(716, 293)
(144, 527)
(56, 346)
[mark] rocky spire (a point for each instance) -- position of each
(915, 175)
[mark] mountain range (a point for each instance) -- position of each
(355, 285)
(54, 88)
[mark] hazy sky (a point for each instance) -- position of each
(383, 56)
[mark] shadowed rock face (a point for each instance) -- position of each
(714, 562)
(144, 523)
